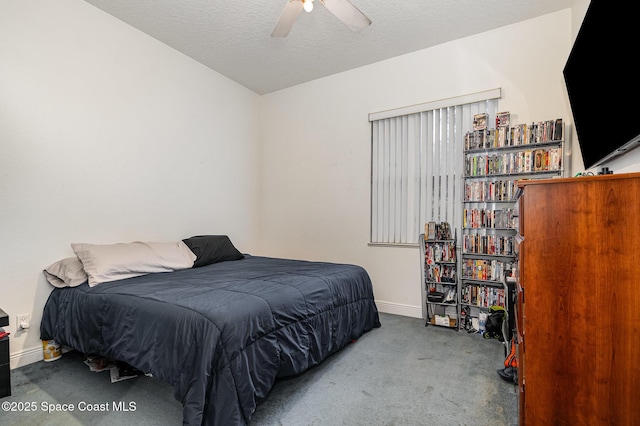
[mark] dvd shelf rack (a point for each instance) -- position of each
(503, 135)
(440, 289)
(495, 160)
(483, 296)
(482, 217)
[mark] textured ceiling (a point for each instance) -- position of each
(233, 37)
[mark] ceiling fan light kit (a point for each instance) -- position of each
(341, 9)
(308, 5)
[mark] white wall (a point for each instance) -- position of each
(316, 141)
(107, 135)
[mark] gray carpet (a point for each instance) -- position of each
(400, 374)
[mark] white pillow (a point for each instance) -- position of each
(67, 272)
(110, 262)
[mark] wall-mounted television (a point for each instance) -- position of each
(603, 83)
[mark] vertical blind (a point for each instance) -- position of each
(417, 165)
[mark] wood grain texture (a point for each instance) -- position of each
(581, 278)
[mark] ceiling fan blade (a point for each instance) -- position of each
(287, 18)
(347, 13)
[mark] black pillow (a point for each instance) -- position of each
(212, 249)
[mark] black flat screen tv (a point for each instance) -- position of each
(603, 83)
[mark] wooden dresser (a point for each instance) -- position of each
(578, 305)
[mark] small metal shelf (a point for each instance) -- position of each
(475, 281)
(441, 282)
(489, 201)
(486, 255)
(488, 229)
(520, 147)
(519, 174)
(441, 313)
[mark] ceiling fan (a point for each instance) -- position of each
(342, 9)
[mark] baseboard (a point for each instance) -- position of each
(25, 357)
(399, 309)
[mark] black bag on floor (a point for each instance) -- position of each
(493, 325)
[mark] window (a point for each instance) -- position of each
(417, 165)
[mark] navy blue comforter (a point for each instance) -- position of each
(219, 334)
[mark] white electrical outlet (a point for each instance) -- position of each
(23, 321)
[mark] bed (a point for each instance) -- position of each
(219, 334)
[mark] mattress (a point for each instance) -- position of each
(220, 334)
